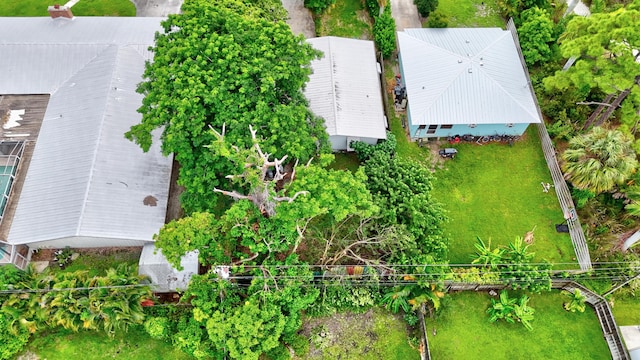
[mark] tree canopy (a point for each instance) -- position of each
(605, 45)
(226, 62)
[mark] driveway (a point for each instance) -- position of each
(405, 14)
(156, 8)
(300, 19)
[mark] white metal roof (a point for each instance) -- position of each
(345, 89)
(85, 179)
(163, 275)
(465, 76)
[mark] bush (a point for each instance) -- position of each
(9, 276)
(11, 343)
(438, 20)
(384, 32)
(365, 151)
(318, 6)
(373, 8)
(157, 327)
(425, 7)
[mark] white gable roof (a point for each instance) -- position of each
(85, 179)
(465, 76)
(345, 89)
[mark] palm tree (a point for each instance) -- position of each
(523, 312)
(599, 160)
(576, 301)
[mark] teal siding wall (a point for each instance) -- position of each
(479, 130)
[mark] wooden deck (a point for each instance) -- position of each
(27, 130)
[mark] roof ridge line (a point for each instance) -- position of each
(333, 86)
(494, 81)
(95, 150)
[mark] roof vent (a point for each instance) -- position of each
(459, 61)
(467, 41)
(470, 70)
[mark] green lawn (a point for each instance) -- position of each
(493, 191)
(98, 264)
(347, 18)
(83, 8)
(376, 334)
(471, 13)
(345, 161)
(463, 331)
(627, 311)
(134, 345)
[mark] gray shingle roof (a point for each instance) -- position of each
(465, 76)
(85, 179)
(344, 88)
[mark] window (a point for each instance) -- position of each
(446, 126)
(422, 127)
(472, 125)
(510, 125)
(432, 129)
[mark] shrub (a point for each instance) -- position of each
(157, 327)
(373, 8)
(384, 32)
(318, 6)
(12, 343)
(438, 20)
(425, 7)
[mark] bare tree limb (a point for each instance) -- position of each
(234, 194)
(290, 199)
(245, 260)
(593, 103)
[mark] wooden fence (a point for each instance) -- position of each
(562, 191)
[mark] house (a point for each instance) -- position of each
(465, 81)
(345, 90)
(68, 175)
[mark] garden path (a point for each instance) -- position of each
(300, 20)
(405, 13)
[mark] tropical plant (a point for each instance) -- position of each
(12, 342)
(576, 301)
(485, 255)
(599, 160)
(511, 310)
(397, 298)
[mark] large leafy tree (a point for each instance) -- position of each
(226, 62)
(536, 35)
(599, 160)
(270, 218)
(605, 45)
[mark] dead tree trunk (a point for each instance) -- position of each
(614, 105)
(598, 111)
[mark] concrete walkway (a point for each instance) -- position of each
(405, 13)
(156, 8)
(300, 18)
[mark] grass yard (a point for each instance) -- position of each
(626, 311)
(374, 335)
(98, 263)
(346, 18)
(133, 345)
(471, 13)
(493, 191)
(83, 8)
(345, 161)
(464, 332)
